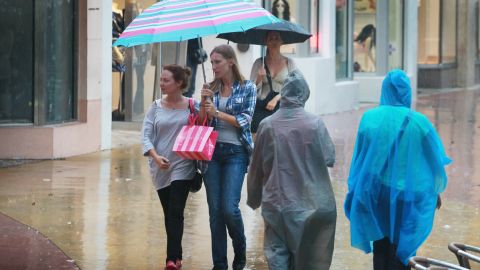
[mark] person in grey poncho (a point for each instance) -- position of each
(288, 177)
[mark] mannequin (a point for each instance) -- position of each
(140, 59)
(366, 39)
(118, 25)
(115, 8)
(281, 9)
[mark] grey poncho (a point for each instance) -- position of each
(288, 177)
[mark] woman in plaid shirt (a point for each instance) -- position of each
(229, 102)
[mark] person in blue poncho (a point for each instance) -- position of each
(396, 176)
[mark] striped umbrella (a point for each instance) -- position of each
(179, 20)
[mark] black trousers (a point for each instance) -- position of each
(173, 199)
(385, 256)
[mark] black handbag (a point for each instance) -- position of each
(196, 182)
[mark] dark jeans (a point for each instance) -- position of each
(173, 199)
(223, 184)
(385, 256)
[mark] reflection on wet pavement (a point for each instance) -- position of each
(101, 210)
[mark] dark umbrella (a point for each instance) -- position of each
(290, 33)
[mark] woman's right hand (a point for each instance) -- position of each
(261, 74)
(206, 93)
(162, 162)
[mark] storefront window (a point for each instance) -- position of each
(437, 34)
(395, 31)
(342, 40)
(365, 36)
(37, 62)
(16, 58)
(428, 32)
(59, 59)
(133, 68)
(449, 31)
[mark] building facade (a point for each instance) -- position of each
(59, 95)
(55, 82)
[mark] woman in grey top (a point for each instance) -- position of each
(171, 174)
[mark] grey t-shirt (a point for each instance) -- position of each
(166, 124)
(226, 132)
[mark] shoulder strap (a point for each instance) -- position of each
(269, 76)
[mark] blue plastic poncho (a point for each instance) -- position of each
(396, 173)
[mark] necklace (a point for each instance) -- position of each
(172, 105)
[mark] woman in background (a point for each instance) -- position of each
(269, 73)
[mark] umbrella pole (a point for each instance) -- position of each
(204, 77)
(177, 53)
(203, 65)
(263, 55)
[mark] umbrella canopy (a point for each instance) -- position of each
(179, 20)
(290, 33)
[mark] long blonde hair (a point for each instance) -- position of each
(228, 53)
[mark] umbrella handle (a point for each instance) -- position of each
(204, 77)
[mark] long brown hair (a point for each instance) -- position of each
(180, 74)
(228, 53)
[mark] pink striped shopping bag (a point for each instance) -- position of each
(195, 141)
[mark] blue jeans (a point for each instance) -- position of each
(223, 184)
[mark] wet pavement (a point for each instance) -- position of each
(101, 211)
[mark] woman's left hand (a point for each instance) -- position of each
(209, 108)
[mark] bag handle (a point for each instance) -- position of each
(192, 117)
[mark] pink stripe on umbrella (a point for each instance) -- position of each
(204, 12)
(189, 25)
(184, 5)
(184, 18)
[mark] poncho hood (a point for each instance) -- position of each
(396, 90)
(295, 91)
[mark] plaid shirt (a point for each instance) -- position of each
(241, 104)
